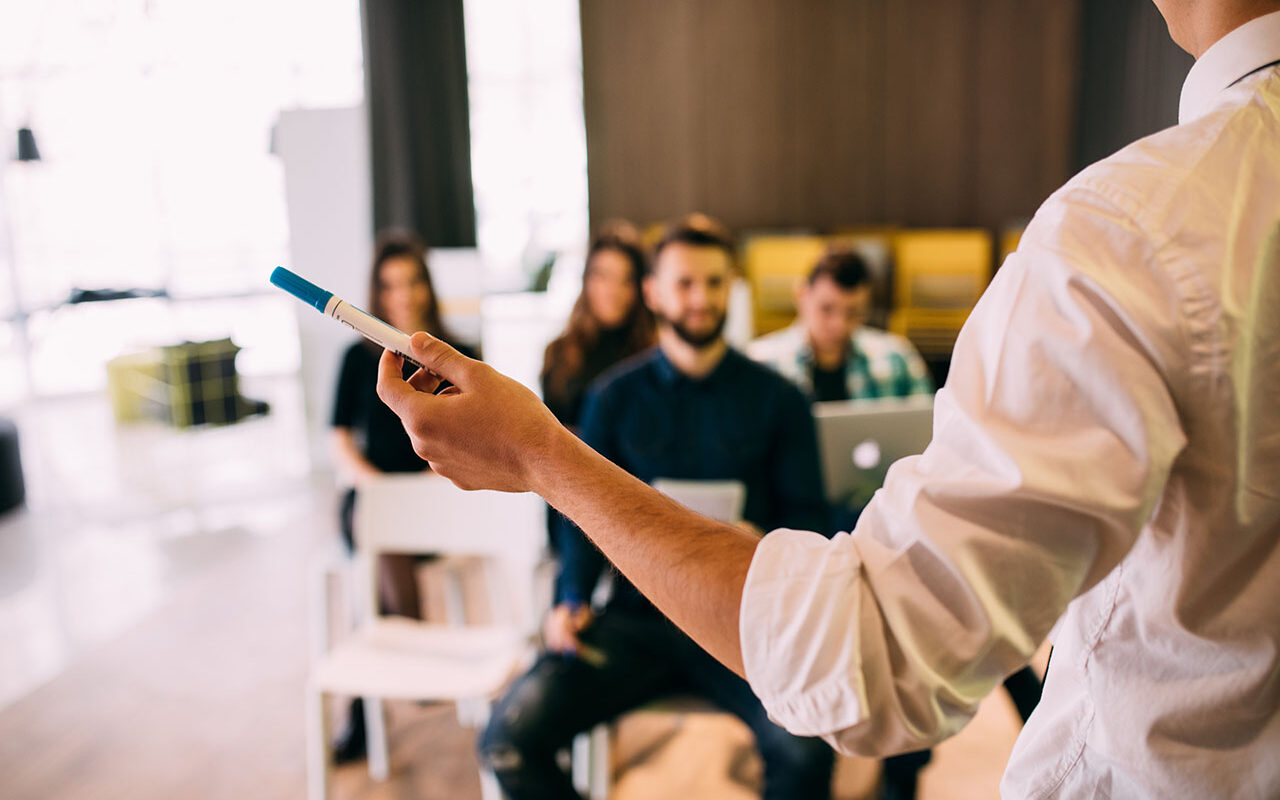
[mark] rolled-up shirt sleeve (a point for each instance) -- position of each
(1052, 442)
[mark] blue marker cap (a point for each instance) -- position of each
(301, 288)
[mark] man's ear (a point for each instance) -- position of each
(648, 291)
(800, 290)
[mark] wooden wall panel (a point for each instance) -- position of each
(741, 102)
(829, 137)
(1022, 143)
(641, 161)
(825, 113)
(928, 108)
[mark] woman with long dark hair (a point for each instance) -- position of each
(368, 439)
(608, 323)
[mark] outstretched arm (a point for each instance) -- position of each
(489, 432)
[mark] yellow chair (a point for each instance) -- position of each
(650, 234)
(1010, 235)
(938, 277)
(773, 264)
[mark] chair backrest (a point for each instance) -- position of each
(773, 264)
(721, 500)
(941, 269)
(424, 513)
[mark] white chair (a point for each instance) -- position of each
(390, 658)
(721, 500)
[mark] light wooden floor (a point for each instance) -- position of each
(203, 699)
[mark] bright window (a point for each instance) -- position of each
(153, 119)
(528, 140)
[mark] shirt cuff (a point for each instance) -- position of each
(798, 626)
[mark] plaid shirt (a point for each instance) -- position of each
(881, 365)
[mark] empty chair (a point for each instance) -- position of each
(395, 658)
(938, 277)
(772, 265)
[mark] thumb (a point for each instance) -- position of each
(440, 358)
(392, 387)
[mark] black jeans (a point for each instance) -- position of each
(644, 658)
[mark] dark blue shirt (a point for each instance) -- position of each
(741, 422)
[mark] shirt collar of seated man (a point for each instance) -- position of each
(687, 289)
(832, 304)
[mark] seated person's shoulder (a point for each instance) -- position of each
(357, 349)
(760, 373)
(773, 346)
(468, 350)
(360, 357)
(874, 341)
(624, 375)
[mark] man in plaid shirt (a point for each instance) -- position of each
(828, 352)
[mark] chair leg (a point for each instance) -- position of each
(319, 756)
(580, 763)
(473, 712)
(489, 789)
(590, 763)
(599, 789)
(375, 725)
(455, 604)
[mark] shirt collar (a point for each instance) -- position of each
(1254, 44)
(804, 354)
(668, 375)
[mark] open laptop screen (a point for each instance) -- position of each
(859, 439)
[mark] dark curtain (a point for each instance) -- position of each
(419, 130)
(1131, 76)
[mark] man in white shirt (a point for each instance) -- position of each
(1106, 458)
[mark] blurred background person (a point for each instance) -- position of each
(829, 351)
(607, 324)
(368, 440)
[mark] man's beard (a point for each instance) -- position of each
(699, 340)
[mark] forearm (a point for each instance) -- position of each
(691, 567)
(580, 563)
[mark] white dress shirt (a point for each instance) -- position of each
(1106, 451)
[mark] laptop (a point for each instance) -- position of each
(720, 500)
(859, 439)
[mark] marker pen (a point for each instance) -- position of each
(358, 320)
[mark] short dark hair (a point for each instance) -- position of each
(696, 230)
(845, 267)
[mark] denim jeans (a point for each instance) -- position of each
(644, 658)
